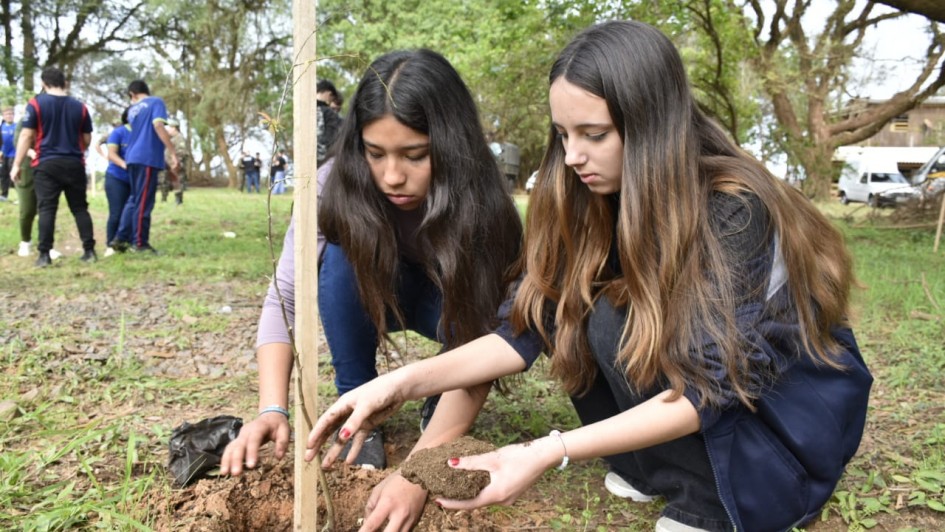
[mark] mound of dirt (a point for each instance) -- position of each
(262, 499)
(429, 469)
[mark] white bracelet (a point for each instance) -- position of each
(564, 461)
(274, 408)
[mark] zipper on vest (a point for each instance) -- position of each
(718, 488)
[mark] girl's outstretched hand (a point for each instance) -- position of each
(513, 469)
(354, 413)
(244, 449)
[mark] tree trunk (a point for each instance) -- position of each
(29, 48)
(9, 70)
(224, 152)
(817, 162)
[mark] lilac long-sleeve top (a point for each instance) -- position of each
(272, 327)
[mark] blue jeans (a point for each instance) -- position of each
(352, 337)
(679, 470)
(117, 192)
(278, 183)
(252, 180)
(135, 226)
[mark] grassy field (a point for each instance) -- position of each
(100, 362)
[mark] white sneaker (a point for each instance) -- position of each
(621, 488)
(665, 524)
(53, 254)
(24, 250)
(109, 252)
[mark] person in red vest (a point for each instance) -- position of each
(58, 128)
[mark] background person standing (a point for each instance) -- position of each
(117, 182)
(250, 172)
(27, 195)
(183, 155)
(277, 179)
(327, 120)
(145, 158)
(8, 131)
(58, 128)
(257, 165)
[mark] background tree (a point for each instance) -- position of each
(62, 32)
(710, 37)
(782, 78)
(7, 56)
(224, 55)
(101, 79)
(807, 77)
(502, 49)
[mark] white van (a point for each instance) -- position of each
(877, 182)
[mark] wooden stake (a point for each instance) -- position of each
(941, 220)
(306, 260)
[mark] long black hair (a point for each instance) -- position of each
(470, 234)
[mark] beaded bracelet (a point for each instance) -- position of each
(565, 460)
(274, 408)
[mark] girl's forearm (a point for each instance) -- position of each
(275, 367)
(478, 362)
(655, 421)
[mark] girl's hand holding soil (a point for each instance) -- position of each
(271, 426)
(513, 469)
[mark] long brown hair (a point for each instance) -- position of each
(676, 281)
(471, 232)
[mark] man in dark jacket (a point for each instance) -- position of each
(58, 128)
(328, 121)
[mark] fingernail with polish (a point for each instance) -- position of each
(454, 462)
(344, 434)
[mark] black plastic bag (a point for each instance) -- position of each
(196, 449)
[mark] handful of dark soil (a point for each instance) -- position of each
(429, 469)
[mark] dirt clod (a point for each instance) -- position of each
(429, 468)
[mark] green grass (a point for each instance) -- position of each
(88, 444)
(186, 236)
(900, 325)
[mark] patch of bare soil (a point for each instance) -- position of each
(167, 345)
(262, 499)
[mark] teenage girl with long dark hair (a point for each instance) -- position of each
(417, 231)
